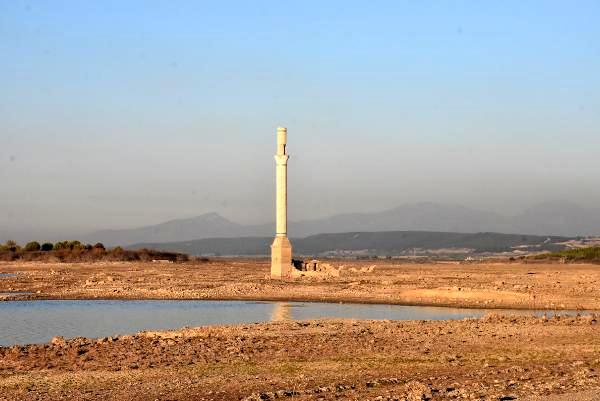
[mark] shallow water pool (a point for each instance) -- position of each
(24, 322)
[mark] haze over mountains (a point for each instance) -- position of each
(383, 243)
(552, 218)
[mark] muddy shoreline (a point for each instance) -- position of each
(494, 286)
(346, 301)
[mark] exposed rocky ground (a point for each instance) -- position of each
(493, 358)
(481, 285)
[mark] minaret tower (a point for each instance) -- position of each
(281, 250)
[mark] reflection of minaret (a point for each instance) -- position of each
(281, 311)
(281, 250)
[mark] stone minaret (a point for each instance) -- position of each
(281, 250)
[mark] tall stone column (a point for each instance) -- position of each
(281, 249)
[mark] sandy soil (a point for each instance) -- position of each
(481, 285)
(493, 358)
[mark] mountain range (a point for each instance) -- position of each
(552, 218)
(383, 243)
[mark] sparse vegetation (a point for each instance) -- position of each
(32, 246)
(591, 254)
(75, 251)
(11, 246)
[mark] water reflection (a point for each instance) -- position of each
(23, 322)
(281, 311)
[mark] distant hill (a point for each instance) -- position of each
(415, 217)
(366, 243)
(558, 218)
(555, 218)
(204, 226)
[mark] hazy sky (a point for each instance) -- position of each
(125, 113)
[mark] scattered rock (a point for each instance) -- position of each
(417, 391)
(58, 341)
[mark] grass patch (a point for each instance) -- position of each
(591, 254)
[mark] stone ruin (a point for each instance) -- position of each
(313, 267)
(320, 270)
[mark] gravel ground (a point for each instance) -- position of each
(480, 285)
(494, 358)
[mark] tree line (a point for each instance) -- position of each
(34, 246)
(76, 251)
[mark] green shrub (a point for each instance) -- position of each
(12, 245)
(33, 246)
(61, 245)
(75, 245)
(47, 247)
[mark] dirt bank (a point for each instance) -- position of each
(494, 358)
(479, 285)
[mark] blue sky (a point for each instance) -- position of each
(116, 114)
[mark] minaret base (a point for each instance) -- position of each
(281, 259)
